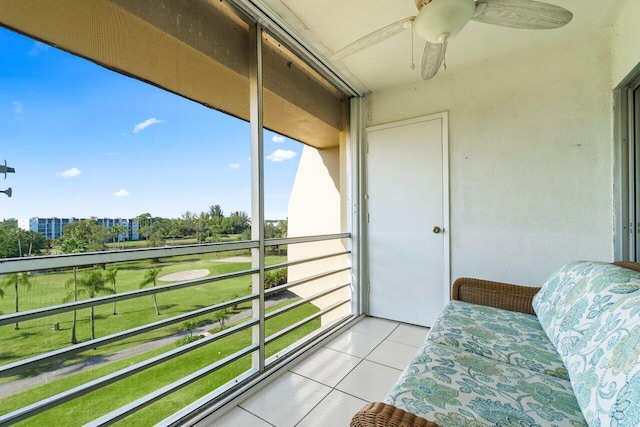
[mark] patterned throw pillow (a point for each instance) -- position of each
(591, 313)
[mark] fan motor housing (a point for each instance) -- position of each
(440, 20)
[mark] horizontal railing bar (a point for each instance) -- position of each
(221, 393)
(229, 394)
(144, 401)
(78, 305)
(47, 262)
(281, 357)
(299, 282)
(22, 365)
(304, 321)
(305, 260)
(83, 389)
(150, 398)
(305, 239)
(304, 301)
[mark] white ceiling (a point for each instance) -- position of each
(329, 25)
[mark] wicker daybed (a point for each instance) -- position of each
(417, 389)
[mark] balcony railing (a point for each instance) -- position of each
(331, 286)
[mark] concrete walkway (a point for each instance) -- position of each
(19, 385)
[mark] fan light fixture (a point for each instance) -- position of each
(440, 20)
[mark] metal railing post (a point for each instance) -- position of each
(257, 187)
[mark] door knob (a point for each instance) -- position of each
(437, 229)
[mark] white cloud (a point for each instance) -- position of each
(37, 49)
(18, 108)
(121, 193)
(281, 155)
(278, 138)
(143, 125)
(70, 173)
(234, 166)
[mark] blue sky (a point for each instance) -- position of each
(86, 141)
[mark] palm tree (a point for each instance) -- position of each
(73, 296)
(16, 280)
(151, 276)
(110, 276)
(189, 326)
(73, 246)
(116, 231)
(91, 283)
(220, 316)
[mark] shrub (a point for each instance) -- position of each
(187, 340)
(275, 278)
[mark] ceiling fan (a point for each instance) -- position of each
(438, 21)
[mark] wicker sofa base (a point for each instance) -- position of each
(381, 414)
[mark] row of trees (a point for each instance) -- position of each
(206, 227)
(97, 281)
(90, 283)
(15, 242)
(88, 235)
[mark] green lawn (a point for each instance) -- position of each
(100, 402)
(37, 336)
(131, 244)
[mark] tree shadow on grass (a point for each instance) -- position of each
(165, 307)
(161, 307)
(7, 356)
(287, 294)
(24, 335)
(38, 370)
(71, 364)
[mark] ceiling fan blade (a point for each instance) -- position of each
(528, 14)
(375, 37)
(432, 59)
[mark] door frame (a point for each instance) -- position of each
(446, 223)
(626, 186)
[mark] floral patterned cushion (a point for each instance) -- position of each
(591, 311)
(507, 336)
(454, 387)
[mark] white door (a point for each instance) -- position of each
(407, 189)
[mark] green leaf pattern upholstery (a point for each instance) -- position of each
(455, 387)
(506, 336)
(576, 363)
(591, 313)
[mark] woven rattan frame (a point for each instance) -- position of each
(628, 264)
(378, 414)
(494, 294)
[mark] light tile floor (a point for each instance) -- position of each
(327, 388)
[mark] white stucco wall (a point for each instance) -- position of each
(531, 157)
(625, 47)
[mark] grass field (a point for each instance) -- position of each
(113, 396)
(37, 336)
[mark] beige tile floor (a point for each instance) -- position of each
(327, 388)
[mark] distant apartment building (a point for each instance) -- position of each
(51, 228)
